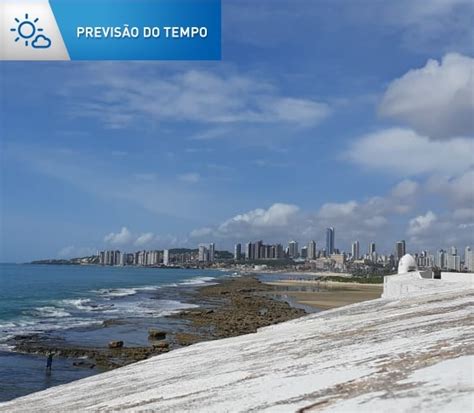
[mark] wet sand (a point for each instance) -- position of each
(327, 294)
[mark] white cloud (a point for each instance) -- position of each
(432, 231)
(436, 100)
(421, 223)
(405, 188)
(337, 210)
(281, 222)
(190, 178)
(199, 96)
(404, 152)
(458, 190)
(201, 232)
(464, 214)
(376, 221)
(144, 239)
(123, 237)
(128, 240)
(299, 111)
(276, 215)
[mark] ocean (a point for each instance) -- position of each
(71, 302)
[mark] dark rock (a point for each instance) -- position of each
(116, 344)
(155, 334)
(160, 345)
(84, 364)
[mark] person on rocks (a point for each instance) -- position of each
(49, 362)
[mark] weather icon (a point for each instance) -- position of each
(28, 31)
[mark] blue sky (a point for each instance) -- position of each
(354, 114)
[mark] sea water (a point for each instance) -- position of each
(70, 300)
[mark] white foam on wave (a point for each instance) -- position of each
(26, 326)
(50, 311)
(197, 281)
(85, 304)
(149, 288)
(151, 308)
(116, 292)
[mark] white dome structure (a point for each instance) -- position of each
(407, 264)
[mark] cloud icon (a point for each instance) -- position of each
(41, 42)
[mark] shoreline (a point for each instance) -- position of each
(224, 308)
(230, 307)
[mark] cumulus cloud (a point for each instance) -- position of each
(405, 152)
(405, 188)
(436, 100)
(119, 238)
(201, 232)
(421, 223)
(431, 231)
(128, 240)
(276, 221)
(144, 239)
(337, 210)
(281, 222)
(276, 215)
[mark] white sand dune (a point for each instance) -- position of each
(414, 354)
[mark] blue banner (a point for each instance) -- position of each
(140, 29)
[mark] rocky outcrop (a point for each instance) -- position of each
(155, 334)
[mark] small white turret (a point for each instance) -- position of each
(407, 264)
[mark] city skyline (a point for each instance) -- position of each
(361, 119)
(258, 251)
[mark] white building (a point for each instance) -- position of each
(293, 249)
(166, 257)
(469, 259)
(312, 250)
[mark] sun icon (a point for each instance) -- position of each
(26, 29)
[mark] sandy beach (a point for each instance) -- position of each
(327, 294)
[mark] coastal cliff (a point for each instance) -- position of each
(388, 355)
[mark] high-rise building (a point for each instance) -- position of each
(203, 254)
(371, 248)
(278, 251)
(312, 250)
(123, 259)
(440, 260)
(166, 257)
(237, 252)
(304, 252)
(293, 249)
(249, 251)
(355, 250)
(469, 259)
(258, 252)
(212, 252)
(330, 235)
(453, 262)
(400, 249)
